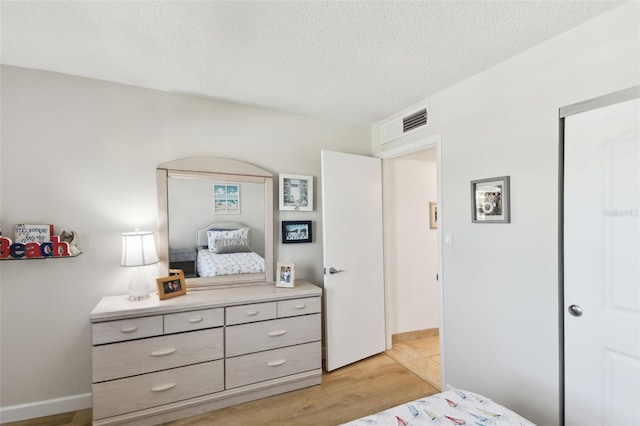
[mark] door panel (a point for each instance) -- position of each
(352, 233)
(602, 266)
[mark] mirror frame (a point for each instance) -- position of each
(214, 168)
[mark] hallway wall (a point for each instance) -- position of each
(411, 247)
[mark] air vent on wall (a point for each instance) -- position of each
(401, 126)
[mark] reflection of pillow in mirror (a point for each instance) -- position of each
(229, 245)
(225, 234)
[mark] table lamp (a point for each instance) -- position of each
(138, 250)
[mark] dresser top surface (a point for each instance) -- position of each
(120, 307)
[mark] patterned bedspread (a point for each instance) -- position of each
(213, 265)
(453, 407)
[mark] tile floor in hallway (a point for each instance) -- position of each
(421, 356)
(408, 371)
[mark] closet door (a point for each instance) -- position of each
(602, 264)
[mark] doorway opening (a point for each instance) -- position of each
(412, 253)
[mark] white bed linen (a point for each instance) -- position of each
(214, 265)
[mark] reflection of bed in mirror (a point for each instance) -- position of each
(186, 200)
(225, 249)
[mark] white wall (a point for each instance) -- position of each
(411, 246)
(81, 154)
(501, 310)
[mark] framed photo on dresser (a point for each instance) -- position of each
(171, 286)
(286, 275)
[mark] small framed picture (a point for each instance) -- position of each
(226, 198)
(286, 275)
(433, 215)
(296, 231)
(296, 192)
(171, 286)
(490, 200)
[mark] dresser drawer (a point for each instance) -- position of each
(154, 389)
(261, 336)
(193, 320)
(135, 328)
(253, 368)
(250, 313)
(294, 307)
(126, 359)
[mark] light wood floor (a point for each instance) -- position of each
(409, 371)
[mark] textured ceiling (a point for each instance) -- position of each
(355, 61)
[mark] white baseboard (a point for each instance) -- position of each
(32, 410)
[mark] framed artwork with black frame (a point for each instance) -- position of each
(490, 200)
(296, 231)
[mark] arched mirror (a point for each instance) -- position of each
(215, 221)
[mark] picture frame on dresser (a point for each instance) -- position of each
(172, 286)
(286, 275)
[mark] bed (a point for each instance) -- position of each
(452, 407)
(224, 249)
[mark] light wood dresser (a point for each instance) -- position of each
(161, 360)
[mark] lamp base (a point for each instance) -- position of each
(139, 285)
(136, 298)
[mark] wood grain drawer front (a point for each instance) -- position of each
(250, 313)
(253, 368)
(130, 329)
(261, 336)
(154, 389)
(193, 320)
(294, 307)
(157, 353)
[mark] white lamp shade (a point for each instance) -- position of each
(138, 249)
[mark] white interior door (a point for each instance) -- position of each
(602, 266)
(352, 234)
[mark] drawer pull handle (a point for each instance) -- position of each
(253, 313)
(163, 352)
(129, 329)
(162, 388)
(276, 363)
(276, 333)
(196, 320)
(301, 306)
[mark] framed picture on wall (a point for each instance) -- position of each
(490, 200)
(433, 215)
(226, 198)
(296, 231)
(296, 192)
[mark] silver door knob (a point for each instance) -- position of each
(575, 310)
(333, 270)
